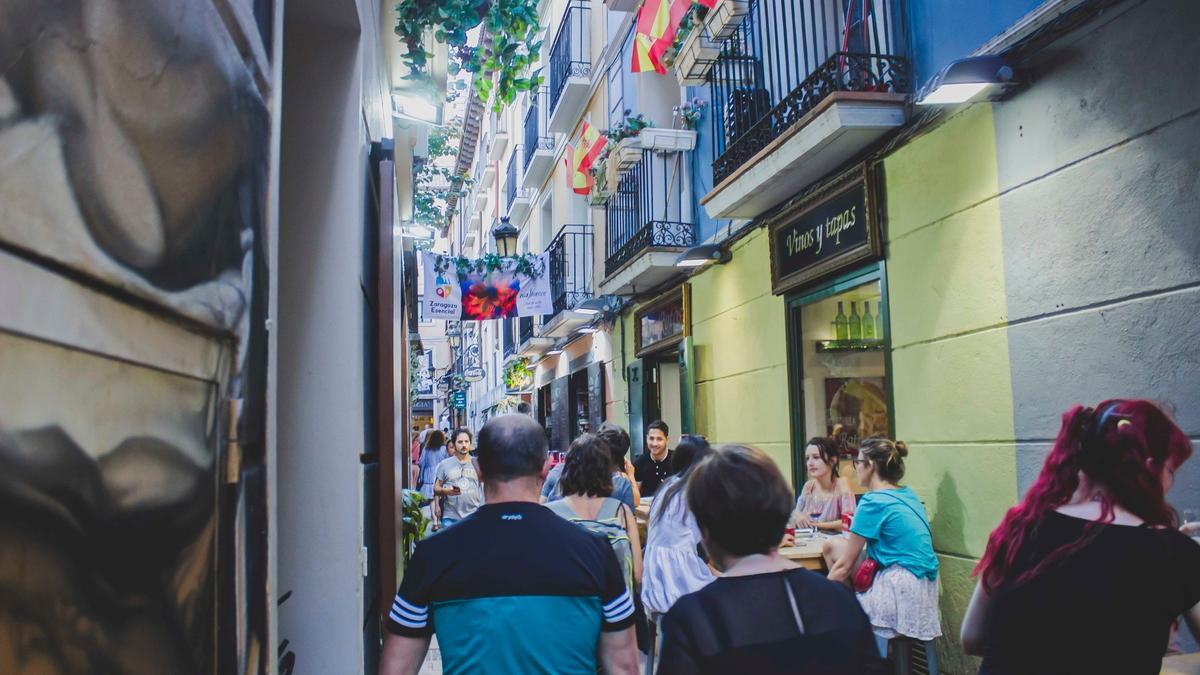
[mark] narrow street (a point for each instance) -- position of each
(354, 337)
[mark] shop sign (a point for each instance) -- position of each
(458, 400)
(665, 321)
(829, 230)
(473, 374)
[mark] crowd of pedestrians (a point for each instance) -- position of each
(544, 572)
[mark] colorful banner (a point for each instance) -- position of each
(478, 295)
(657, 23)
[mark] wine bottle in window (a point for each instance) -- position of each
(868, 322)
(855, 322)
(841, 326)
(879, 325)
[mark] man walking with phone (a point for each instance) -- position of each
(456, 487)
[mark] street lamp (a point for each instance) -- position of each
(506, 235)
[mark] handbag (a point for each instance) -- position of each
(865, 575)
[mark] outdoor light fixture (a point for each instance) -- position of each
(698, 256)
(554, 350)
(455, 340)
(965, 79)
(599, 305)
(506, 235)
(587, 329)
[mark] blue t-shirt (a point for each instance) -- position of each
(897, 532)
(622, 488)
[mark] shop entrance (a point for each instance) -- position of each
(839, 370)
(662, 379)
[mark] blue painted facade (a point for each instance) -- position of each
(944, 30)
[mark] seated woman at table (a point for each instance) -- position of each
(890, 524)
(1088, 573)
(825, 497)
(673, 567)
(764, 614)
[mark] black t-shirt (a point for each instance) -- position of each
(650, 473)
(746, 625)
(1105, 608)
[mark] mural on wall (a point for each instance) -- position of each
(134, 140)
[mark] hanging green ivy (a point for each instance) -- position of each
(510, 49)
(527, 264)
(517, 374)
(435, 184)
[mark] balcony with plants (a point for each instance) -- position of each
(569, 67)
(538, 141)
(644, 183)
(798, 90)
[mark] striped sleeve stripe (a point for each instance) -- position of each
(401, 603)
(619, 613)
(620, 600)
(411, 616)
(405, 622)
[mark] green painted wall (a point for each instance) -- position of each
(741, 354)
(950, 355)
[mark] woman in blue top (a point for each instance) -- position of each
(891, 526)
(432, 455)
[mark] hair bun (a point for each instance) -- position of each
(901, 448)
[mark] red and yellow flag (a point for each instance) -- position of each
(591, 145)
(657, 23)
(579, 179)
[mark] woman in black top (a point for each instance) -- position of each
(765, 614)
(1088, 574)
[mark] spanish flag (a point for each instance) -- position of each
(591, 145)
(657, 23)
(579, 179)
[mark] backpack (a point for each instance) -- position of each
(610, 525)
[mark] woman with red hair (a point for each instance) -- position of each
(1088, 573)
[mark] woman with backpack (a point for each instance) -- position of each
(897, 579)
(586, 486)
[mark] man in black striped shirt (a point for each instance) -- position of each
(513, 588)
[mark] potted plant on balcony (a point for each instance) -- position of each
(723, 21)
(626, 148)
(692, 54)
(600, 193)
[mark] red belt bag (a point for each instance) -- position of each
(865, 576)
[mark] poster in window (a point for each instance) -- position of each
(856, 408)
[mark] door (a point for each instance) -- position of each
(635, 379)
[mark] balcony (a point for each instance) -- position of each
(509, 338)
(518, 198)
(570, 278)
(539, 142)
(570, 67)
(497, 137)
(799, 89)
(529, 340)
(649, 222)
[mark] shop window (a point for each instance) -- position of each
(837, 339)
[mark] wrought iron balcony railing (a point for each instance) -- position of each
(512, 190)
(786, 56)
(524, 329)
(648, 210)
(537, 133)
(570, 55)
(570, 267)
(509, 339)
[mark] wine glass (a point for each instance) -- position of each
(1191, 523)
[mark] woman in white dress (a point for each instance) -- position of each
(672, 567)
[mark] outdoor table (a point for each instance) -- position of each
(1181, 664)
(806, 552)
